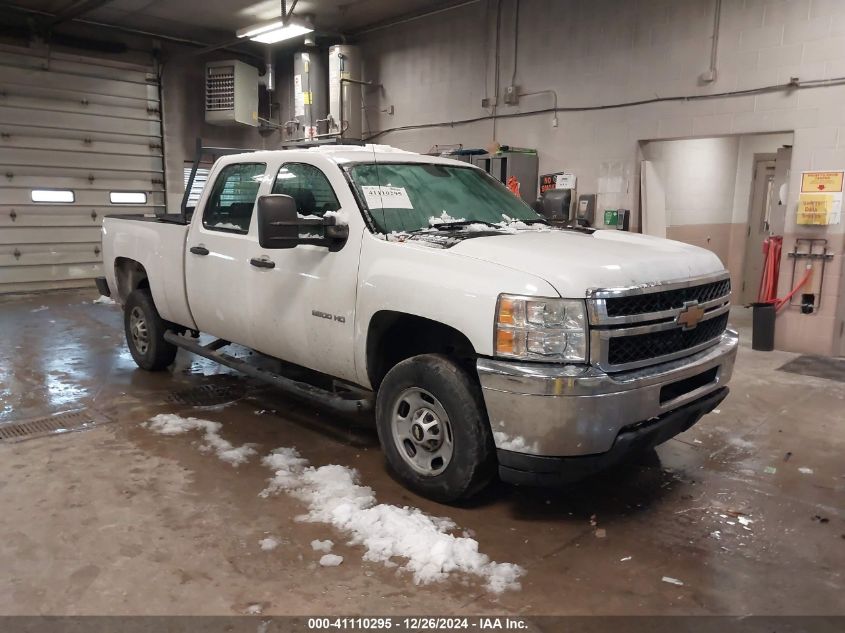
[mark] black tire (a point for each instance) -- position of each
(151, 351)
(472, 462)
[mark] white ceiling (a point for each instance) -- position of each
(199, 19)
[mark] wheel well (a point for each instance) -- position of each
(395, 336)
(130, 275)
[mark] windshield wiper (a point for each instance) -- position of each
(536, 221)
(445, 226)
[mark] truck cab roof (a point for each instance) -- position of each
(340, 154)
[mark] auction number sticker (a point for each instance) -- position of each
(385, 197)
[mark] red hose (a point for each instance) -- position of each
(772, 248)
(779, 303)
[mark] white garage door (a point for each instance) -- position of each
(79, 139)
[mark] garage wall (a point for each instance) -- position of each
(74, 126)
(599, 52)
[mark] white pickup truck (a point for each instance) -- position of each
(486, 340)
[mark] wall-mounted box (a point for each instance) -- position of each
(231, 93)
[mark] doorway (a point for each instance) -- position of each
(722, 193)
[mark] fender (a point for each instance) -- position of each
(436, 284)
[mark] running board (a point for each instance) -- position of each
(311, 393)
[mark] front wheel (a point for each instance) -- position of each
(433, 428)
(145, 330)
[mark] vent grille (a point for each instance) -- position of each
(666, 300)
(220, 88)
(51, 425)
(641, 347)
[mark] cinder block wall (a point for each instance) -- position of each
(600, 52)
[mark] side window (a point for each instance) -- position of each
(229, 207)
(308, 186)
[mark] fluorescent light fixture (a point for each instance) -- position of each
(128, 197)
(274, 31)
(52, 195)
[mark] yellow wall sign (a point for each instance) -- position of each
(818, 181)
(820, 200)
(815, 208)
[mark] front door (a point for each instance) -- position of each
(217, 257)
(302, 309)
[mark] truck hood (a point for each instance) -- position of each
(574, 262)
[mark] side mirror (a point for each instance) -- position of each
(277, 221)
(280, 226)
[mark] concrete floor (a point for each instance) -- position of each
(116, 520)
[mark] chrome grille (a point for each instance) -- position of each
(630, 349)
(638, 326)
(667, 300)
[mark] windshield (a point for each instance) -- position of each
(406, 197)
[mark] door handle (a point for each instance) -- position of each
(199, 250)
(262, 263)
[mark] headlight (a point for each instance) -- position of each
(534, 328)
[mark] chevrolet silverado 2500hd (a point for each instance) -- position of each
(483, 338)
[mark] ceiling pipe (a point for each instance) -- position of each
(268, 80)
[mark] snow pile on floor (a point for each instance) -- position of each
(268, 544)
(331, 560)
(103, 300)
(40, 309)
(322, 546)
(333, 496)
(172, 424)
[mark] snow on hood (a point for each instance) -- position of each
(574, 262)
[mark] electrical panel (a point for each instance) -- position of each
(231, 93)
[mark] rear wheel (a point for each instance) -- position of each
(433, 428)
(145, 330)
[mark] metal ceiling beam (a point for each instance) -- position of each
(75, 9)
(410, 17)
(139, 32)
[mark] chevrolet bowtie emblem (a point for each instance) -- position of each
(689, 317)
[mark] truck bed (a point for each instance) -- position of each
(157, 243)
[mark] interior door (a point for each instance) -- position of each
(302, 308)
(217, 258)
(762, 194)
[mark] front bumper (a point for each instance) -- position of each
(557, 410)
(522, 469)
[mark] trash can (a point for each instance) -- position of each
(763, 327)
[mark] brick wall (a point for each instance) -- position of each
(598, 52)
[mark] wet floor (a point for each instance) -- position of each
(746, 509)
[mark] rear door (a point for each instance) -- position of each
(218, 250)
